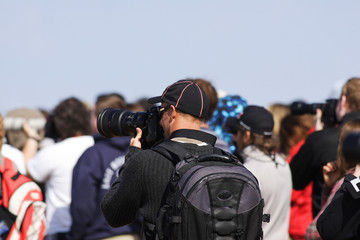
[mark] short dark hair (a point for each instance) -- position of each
(72, 117)
(210, 90)
(111, 100)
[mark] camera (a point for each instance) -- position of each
(299, 107)
(15, 123)
(117, 122)
(328, 110)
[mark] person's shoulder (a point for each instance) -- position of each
(120, 143)
(324, 132)
(328, 135)
(147, 157)
(49, 149)
(12, 152)
(15, 155)
(85, 139)
(147, 162)
(76, 143)
(89, 154)
(147, 154)
(283, 166)
(280, 159)
(73, 141)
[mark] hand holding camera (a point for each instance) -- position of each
(136, 140)
(30, 132)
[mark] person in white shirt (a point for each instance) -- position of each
(53, 165)
(252, 132)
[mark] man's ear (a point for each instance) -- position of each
(343, 107)
(247, 137)
(173, 113)
(344, 102)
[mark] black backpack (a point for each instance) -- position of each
(211, 196)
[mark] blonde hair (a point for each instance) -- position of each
(279, 111)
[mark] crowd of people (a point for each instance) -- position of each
(96, 187)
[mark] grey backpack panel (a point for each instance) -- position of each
(196, 189)
(210, 196)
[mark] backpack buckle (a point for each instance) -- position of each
(239, 232)
(266, 218)
(189, 158)
(176, 176)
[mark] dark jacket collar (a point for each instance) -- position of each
(349, 116)
(195, 134)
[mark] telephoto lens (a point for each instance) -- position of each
(116, 122)
(299, 107)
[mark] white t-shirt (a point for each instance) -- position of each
(15, 155)
(53, 165)
(276, 186)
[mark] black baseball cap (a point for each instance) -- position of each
(186, 96)
(254, 118)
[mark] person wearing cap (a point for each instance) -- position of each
(252, 133)
(145, 174)
(213, 103)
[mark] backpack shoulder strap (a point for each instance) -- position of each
(172, 151)
(231, 156)
(175, 152)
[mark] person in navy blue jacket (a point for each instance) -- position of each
(93, 175)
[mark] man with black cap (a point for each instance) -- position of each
(252, 133)
(144, 176)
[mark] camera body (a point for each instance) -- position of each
(117, 122)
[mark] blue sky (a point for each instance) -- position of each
(265, 51)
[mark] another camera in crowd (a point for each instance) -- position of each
(328, 110)
(299, 107)
(116, 123)
(16, 123)
(13, 124)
